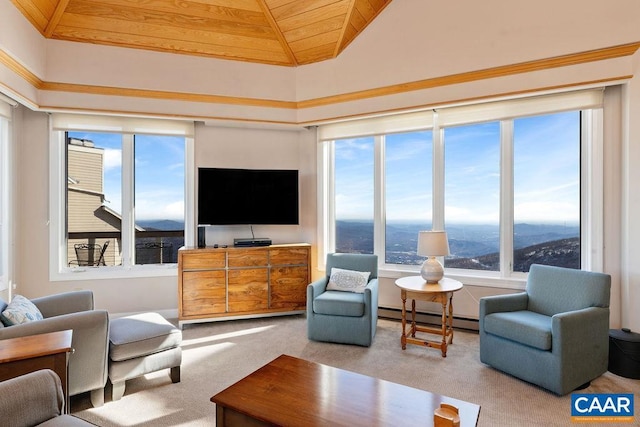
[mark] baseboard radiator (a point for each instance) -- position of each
(428, 318)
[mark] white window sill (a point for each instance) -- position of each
(97, 273)
(489, 279)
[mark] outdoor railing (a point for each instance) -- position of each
(151, 247)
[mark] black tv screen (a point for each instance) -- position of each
(247, 196)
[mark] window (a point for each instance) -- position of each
(472, 196)
(408, 182)
(354, 195)
(120, 195)
(546, 182)
(503, 179)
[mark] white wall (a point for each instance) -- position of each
(410, 41)
(214, 146)
(630, 248)
(231, 147)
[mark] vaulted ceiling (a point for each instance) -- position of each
(280, 32)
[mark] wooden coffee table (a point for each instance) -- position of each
(293, 392)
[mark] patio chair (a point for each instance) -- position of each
(90, 254)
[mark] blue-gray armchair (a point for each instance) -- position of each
(555, 334)
(340, 316)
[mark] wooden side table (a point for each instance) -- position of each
(19, 356)
(416, 288)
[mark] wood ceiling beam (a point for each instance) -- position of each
(276, 29)
(56, 17)
(345, 25)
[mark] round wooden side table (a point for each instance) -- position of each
(416, 288)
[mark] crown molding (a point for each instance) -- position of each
(466, 77)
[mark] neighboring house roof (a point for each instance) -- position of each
(116, 215)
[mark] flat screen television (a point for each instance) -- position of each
(247, 196)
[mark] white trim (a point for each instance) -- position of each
(5, 110)
(123, 125)
(437, 184)
(57, 197)
(521, 107)
(405, 122)
(506, 198)
(445, 116)
(325, 201)
(592, 191)
(190, 220)
(6, 100)
(128, 218)
(5, 210)
(379, 215)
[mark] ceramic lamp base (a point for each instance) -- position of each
(432, 270)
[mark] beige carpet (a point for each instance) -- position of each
(218, 354)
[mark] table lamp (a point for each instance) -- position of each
(432, 244)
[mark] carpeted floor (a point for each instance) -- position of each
(216, 355)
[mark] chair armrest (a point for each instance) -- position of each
(64, 303)
(316, 288)
(313, 290)
(371, 300)
(31, 399)
(371, 295)
(88, 363)
(502, 303)
(577, 332)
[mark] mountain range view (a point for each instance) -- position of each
(471, 246)
(474, 247)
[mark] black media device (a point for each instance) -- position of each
(248, 196)
(202, 240)
(259, 241)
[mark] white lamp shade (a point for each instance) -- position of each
(433, 243)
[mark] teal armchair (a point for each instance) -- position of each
(555, 334)
(344, 317)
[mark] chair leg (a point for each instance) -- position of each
(97, 397)
(175, 374)
(117, 390)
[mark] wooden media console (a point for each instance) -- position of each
(231, 283)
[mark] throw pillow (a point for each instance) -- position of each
(20, 310)
(348, 280)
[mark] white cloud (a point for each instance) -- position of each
(112, 159)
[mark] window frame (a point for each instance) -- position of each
(58, 270)
(591, 187)
(5, 195)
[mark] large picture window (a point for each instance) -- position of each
(354, 195)
(503, 179)
(123, 194)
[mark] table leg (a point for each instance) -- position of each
(451, 318)
(413, 318)
(444, 327)
(403, 338)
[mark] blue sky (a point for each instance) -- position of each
(159, 174)
(546, 173)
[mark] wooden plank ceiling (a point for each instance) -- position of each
(281, 32)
